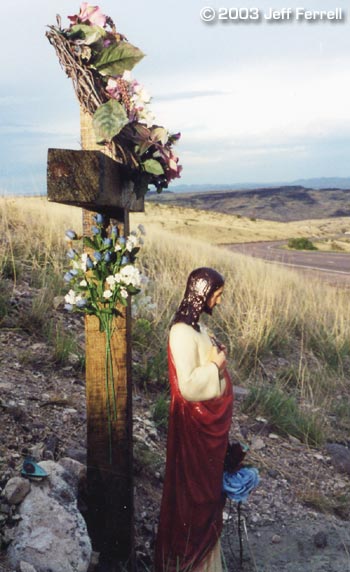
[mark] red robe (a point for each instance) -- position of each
(191, 510)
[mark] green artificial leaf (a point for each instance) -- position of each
(142, 131)
(117, 58)
(143, 147)
(109, 119)
(153, 166)
(88, 242)
(160, 134)
(90, 34)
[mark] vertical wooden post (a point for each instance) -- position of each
(110, 484)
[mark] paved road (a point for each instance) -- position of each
(331, 265)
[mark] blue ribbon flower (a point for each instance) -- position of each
(240, 484)
(95, 230)
(124, 260)
(108, 256)
(114, 231)
(71, 234)
(97, 256)
(68, 277)
(99, 218)
(107, 242)
(72, 253)
(89, 263)
(81, 303)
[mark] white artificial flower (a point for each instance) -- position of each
(70, 298)
(76, 265)
(83, 261)
(110, 280)
(117, 277)
(107, 294)
(117, 247)
(123, 293)
(83, 283)
(130, 275)
(127, 75)
(142, 94)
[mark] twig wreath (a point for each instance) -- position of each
(99, 59)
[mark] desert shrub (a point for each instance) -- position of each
(301, 244)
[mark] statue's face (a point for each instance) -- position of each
(215, 298)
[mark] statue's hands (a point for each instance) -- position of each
(218, 357)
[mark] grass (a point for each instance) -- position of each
(285, 415)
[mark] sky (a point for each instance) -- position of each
(255, 101)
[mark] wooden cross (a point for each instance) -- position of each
(92, 179)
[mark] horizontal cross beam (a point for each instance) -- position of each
(91, 180)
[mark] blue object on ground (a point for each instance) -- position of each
(239, 485)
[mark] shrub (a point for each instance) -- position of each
(301, 244)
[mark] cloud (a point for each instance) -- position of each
(189, 95)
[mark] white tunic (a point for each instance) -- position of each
(197, 375)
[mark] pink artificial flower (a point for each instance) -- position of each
(89, 15)
(112, 88)
(173, 170)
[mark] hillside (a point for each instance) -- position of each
(282, 204)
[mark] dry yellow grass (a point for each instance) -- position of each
(266, 307)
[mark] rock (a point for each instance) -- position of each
(16, 490)
(340, 457)
(258, 444)
(320, 539)
(26, 567)
(51, 529)
(74, 467)
(272, 473)
(76, 454)
(276, 539)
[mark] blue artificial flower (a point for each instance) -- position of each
(114, 231)
(68, 307)
(107, 242)
(72, 253)
(125, 260)
(71, 234)
(68, 277)
(108, 256)
(122, 240)
(240, 484)
(95, 230)
(74, 271)
(97, 256)
(81, 303)
(89, 263)
(99, 218)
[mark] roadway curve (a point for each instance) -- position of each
(333, 266)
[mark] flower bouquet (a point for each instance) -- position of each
(101, 281)
(99, 60)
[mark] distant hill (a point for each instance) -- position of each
(285, 203)
(314, 183)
